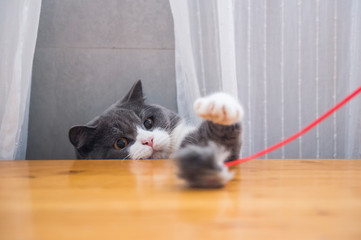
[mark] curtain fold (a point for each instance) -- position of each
(287, 61)
(19, 20)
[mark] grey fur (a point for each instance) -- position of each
(199, 157)
(199, 153)
(227, 136)
(203, 166)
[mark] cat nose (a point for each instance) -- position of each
(148, 141)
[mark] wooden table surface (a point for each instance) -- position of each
(127, 199)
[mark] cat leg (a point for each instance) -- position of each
(218, 139)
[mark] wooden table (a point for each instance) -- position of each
(127, 199)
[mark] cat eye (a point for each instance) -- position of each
(120, 143)
(148, 123)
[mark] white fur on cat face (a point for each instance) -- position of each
(164, 144)
(160, 148)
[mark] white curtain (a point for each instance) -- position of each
(19, 20)
(287, 61)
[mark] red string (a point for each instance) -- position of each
(293, 137)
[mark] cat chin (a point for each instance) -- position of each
(160, 155)
(139, 151)
(148, 153)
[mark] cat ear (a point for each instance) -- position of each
(78, 135)
(135, 94)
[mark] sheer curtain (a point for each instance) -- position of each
(19, 21)
(286, 61)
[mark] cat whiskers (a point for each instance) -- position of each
(127, 157)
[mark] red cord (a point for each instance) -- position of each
(293, 137)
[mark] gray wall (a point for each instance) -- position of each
(88, 54)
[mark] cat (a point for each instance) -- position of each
(133, 129)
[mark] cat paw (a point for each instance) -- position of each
(219, 108)
(203, 167)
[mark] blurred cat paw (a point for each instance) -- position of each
(219, 108)
(203, 166)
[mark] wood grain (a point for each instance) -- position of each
(127, 199)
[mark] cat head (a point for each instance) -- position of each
(129, 129)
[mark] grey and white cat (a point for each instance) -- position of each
(132, 129)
